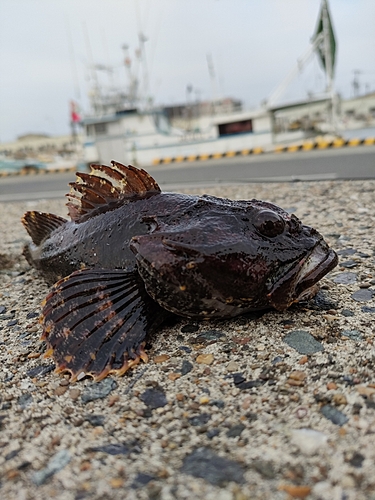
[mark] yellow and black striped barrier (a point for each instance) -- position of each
(291, 148)
(203, 157)
(324, 144)
(36, 171)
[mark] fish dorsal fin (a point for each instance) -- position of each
(105, 187)
(40, 225)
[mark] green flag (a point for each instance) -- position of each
(326, 48)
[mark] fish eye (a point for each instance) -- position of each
(269, 223)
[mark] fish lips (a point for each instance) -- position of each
(302, 277)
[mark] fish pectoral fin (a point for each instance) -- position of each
(105, 186)
(40, 225)
(96, 322)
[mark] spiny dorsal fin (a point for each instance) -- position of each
(105, 186)
(40, 225)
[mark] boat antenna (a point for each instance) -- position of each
(95, 96)
(214, 91)
(73, 65)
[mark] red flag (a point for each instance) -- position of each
(74, 116)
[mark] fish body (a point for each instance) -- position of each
(131, 255)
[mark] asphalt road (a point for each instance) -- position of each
(345, 163)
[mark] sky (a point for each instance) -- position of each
(48, 49)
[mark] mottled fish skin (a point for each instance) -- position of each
(196, 256)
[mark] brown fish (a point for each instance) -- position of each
(131, 256)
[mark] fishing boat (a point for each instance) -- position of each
(122, 125)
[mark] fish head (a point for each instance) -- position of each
(234, 258)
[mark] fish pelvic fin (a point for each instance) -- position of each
(40, 225)
(105, 187)
(96, 322)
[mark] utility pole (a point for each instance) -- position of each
(355, 83)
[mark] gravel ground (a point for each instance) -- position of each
(272, 406)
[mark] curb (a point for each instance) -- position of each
(305, 146)
(39, 171)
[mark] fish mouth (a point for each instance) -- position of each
(299, 279)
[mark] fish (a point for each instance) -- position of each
(131, 256)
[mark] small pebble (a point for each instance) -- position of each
(161, 358)
(205, 359)
(348, 482)
(334, 415)
(98, 390)
(190, 328)
(74, 394)
(185, 348)
(265, 468)
(362, 295)
(357, 460)
(345, 278)
(329, 317)
(154, 398)
(347, 313)
(331, 386)
(33, 355)
(141, 480)
(303, 342)
(349, 264)
(346, 251)
(117, 448)
(212, 433)
(365, 391)
(339, 399)
(301, 412)
(219, 403)
(309, 441)
(57, 462)
(198, 420)
(369, 310)
(40, 370)
(60, 390)
(297, 375)
(25, 400)
(295, 491)
(235, 431)
(232, 366)
(31, 315)
(206, 464)
(116, 482)
(352, 334)
(186, 367)
(95, 420)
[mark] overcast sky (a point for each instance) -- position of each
(47, 46)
